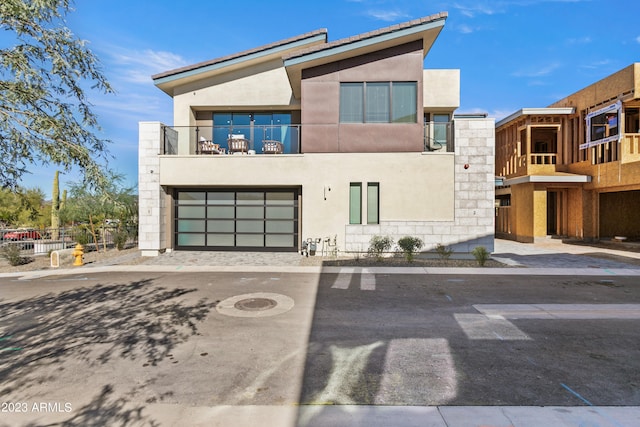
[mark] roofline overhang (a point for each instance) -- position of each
(548, 179)
(547, 111)
(168, 80)
(362, 45)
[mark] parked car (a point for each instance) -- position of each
(22, 235)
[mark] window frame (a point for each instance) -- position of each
(355, 203)
(366, 113)
(376, 207)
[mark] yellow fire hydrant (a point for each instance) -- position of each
(78, 253)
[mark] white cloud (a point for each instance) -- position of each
(387, 15)
(137, 66)
(465, 29)
(596, 64)
(539, 72)
(638, 39)
(580, 40)
(472, 10)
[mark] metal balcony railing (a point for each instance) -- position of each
(277, 139)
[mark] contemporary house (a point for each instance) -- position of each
(573, 169)
(311, 142)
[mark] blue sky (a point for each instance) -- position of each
(511, 54)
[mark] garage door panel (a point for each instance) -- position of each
(236, 219)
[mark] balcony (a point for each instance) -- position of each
(207, 140)
(270, 140)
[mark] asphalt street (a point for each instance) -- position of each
(306, 349)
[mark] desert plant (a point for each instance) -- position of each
(13, 255)
(409, 246)
(444, 252)
(120, 239)
(81, 236)
(378, 245)
(481, 255)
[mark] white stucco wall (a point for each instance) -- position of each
(265, 85)
(441, 89)
(428, 195)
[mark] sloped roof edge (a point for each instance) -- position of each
(178, 72)
(292, 57)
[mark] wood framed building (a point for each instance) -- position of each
(573, 169)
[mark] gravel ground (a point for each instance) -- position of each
(132, 256)
(43, 262)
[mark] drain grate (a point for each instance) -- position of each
(255, 304)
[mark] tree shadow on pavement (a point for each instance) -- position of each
(93, 326)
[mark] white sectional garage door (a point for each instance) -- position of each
(222, 219)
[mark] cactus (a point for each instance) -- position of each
(55, 208)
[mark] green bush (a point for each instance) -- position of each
(409, 246)
(82, 236)
(378, 245)
(120, 239)
(481, 255)
(443, 251)
(13, 255)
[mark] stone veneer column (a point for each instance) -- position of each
(151, 196)
(474, 185)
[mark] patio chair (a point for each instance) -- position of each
(238, 144)
(272, 147)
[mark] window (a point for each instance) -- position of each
(404, 102)
(355, 203)
(373, 203)
(351, 102)
(378, 102)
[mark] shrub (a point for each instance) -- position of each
(443, 251)
(481, 255)
(13, 255)
(81, 236)
(120, 239)
(409, 246)
(378, 245)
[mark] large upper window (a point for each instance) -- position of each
(378, 102)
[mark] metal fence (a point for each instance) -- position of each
(43, 241)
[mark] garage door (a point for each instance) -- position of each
(236, 219)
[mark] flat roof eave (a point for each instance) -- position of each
(547, 111)
(549, 179)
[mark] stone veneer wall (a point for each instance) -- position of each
(151, 196)
(473, 223)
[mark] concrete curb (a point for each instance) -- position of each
(330, 270)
